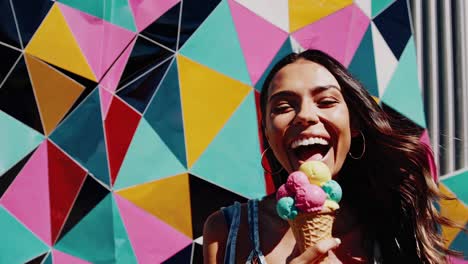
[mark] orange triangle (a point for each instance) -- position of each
(453, 210)
(167, 199)
(55, 92)
(54, 43)
(208, 100)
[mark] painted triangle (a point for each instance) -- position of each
(89, 150)
(203, 204)
(457, 184)
(366, 6)
(303, 12)
(454, 210)
(16, 93)
(100, 41)
(48, 259)
(26, 246)
(38, 260)
(9, 176)
(111, 79)
(150, 247)
(96, 228)
(164, 113)
(120, 125)
(106, 99)
(236, 152)
(197, 253)
(59, 257)
(139, 93)
(17, 140)
(65, 53)
(276, 12)
(54, 91)
(148, 158)
(460, 243)
(208, 45)
(9, 58)
(91, 194)
(191, 21)
(147, 11)
(168, 199)
(165, 29)
(363, 64)
(117, 12)
(357, 28)
(403, 93)
(28, 196)
(197, 103)
(394, 25)
(385, 61)
(29, 22)
(124, 253)
(379, 6)
(259, 39)
(9, 33)
(66, 178)
(183, 256)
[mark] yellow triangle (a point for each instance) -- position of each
(305, 12)
(455, 211)
(208, 100)
(55, 92)
(167, 199)
(54, 43)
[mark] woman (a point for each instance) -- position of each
(313, 109)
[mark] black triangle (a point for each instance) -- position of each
(203, 204)
(9, 57)
(38, 259)
(180, 257)
(193, 14)
(17, 97)
(164, 29)
(8, 31)
(197, 253)
(90, 195)
(145, 55)
(30, 15)
(9, 176)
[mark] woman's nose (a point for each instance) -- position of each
(307, 115)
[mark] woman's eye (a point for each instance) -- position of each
(282, 108)
(327, 102)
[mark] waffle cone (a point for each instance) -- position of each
(309, 228)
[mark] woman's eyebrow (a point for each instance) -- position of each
(315, 90)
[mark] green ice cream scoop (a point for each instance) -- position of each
(333, 190)
(286, 209)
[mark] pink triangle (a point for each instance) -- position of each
(100, 41)
(111, 80)
(106, 98)
(59, 257)
(146, 12)
(28, 196)
(259, 39)
(153, 240)
(330, 34)
(454, 260)
(426, 140)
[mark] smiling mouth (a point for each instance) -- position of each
(310, 149)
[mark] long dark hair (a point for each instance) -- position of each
(391, 186)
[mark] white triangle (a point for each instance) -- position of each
(385, 61)
(199, 240)
(296, 47)
(365, 6)
(276, 12)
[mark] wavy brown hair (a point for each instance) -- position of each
(391, 187)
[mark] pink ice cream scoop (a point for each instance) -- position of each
(283, 192)
(310, 198)
(296, 180)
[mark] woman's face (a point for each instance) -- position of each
(307, 117)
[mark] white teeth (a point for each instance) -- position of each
(308, 141)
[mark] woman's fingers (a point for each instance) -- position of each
(316, 253)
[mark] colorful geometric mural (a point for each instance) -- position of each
(125, 123)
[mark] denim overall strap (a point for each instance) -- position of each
(256, 255)
(232, 217)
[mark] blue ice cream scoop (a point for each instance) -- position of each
(333, 190)
(286, 209)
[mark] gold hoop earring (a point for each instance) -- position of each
(263, 166)
(363, 148)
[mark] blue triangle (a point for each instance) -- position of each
(363, 64)
(82, 136)
(92, 239)
(403, 93)
(123, 249)
(232, 160)
(148, 158)
(48, 259)
(215, 44)
(164, 114)
(283, 51)
(18, 244)
(457, 184)
(17, 140)
(460, 243)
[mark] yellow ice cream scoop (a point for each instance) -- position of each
(317, 172)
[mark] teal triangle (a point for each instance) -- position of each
(460, 243)
(148, 158)
(232, 160)
(48, 259)
(379, 5)
(92, 239)
(164, 114)
(81, 135)
(215, 44)
(285, 49)
(18, 244)
(123, 249)
(363, 64)
(117, 12)
(403, 93)
(457, 184)
(16, 141)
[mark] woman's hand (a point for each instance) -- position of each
(319, 253)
